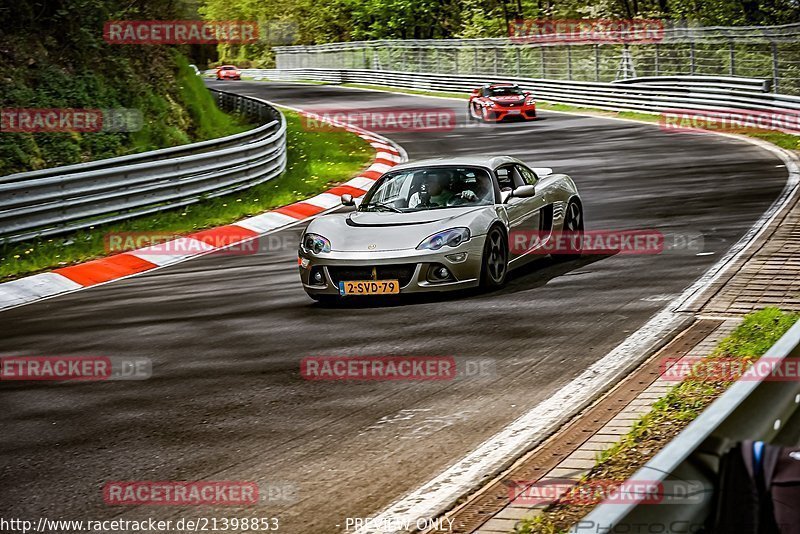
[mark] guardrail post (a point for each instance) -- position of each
(732, 58)
(436, 60)
(419, 59)
(495, 60)
(517, 53)
(544, 68)
(455, 60)
(775, 71)
(692, 60)
(597, 63)
(475, 64)
(656, 59)
(569, 62)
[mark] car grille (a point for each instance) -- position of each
(510, 104)
(401, 272)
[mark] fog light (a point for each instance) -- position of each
(439, 273)
(458, 257)
(317, 278)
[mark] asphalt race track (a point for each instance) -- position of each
(226, 335)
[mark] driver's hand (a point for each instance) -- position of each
(468, 195)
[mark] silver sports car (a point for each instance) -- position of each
(438, 225)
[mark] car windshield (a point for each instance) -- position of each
(228, 68)
(505, 91)
(428, 188)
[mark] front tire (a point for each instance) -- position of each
(573, 227)
(494, 263)
(471, 113)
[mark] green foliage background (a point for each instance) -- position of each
(52, 55)
(324, 21)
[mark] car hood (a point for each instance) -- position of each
(382, 231)
(509, 99)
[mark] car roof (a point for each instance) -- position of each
(489, 162)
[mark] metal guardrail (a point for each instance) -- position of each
(715, 94)
(63, 199)
(769, 52)
(738, 414)
(757, 85)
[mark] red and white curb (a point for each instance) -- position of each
(75, 277)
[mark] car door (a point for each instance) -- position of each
(541, 226)
(523, 215)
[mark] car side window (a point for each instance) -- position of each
(504, 178)
(528, 176)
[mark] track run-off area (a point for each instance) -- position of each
(226, 335)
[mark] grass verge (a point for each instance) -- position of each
(316, 161)
(669, 415)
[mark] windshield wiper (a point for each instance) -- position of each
(385, 206)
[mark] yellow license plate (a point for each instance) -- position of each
(369, 287)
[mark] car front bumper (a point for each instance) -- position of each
(497, 114)
(412, 268)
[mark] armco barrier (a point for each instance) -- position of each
(766, 52)
(714, 94)
(755, 410)
(63, 199)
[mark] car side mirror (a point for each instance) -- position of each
(347, 200)
(523, 191)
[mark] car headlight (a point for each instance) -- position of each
(530, 100)
(315, 243)
(452, 238)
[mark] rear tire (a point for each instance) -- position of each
(573, 227)
(494, 262)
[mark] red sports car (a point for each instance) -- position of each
(228, 72)
(496, 102)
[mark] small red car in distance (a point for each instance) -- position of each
(496, 102)
(228, 72)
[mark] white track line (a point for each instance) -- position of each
(439, 494)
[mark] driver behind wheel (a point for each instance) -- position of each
(435, 191)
